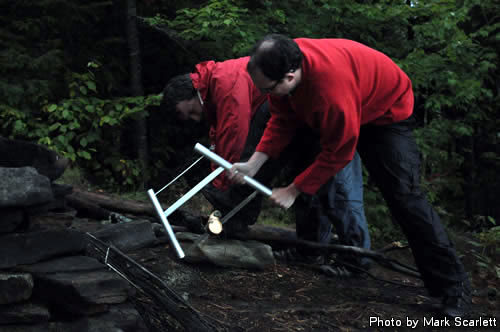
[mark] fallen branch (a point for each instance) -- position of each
(285, 237)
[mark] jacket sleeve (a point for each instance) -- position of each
(280, 128)
(234, 112)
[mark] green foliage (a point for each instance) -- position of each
(86, 128)
(40, 41)
(452, 66)
(488, 242)
(228, 28)
(43, 98)
(222, 26)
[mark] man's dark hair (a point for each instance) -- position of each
(179, 88)
(275, 55)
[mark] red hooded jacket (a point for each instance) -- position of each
(344, 85)
(230, 102)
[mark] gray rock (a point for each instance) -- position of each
(23, 187)
(15, 287)
(82, 292)
(120, 318)
(29, 248)
(16, 153)
(24, 313)
(27, 328)
(127, 236)
(64, 264)
(228, 253)
(10, 219)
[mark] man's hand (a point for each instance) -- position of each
(285, 197)
(238, 170)
(250, 168)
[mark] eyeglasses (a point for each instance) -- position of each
(271, 88)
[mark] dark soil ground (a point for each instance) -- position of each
(301, 298)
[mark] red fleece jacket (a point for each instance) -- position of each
(344, 85)
(230, 102)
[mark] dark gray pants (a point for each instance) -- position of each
(392, 158)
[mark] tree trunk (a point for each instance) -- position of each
(469, 178)
(140, 126)
(424, 157)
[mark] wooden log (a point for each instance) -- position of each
(100, 205)
(270, 233)
(87, 208)
(108, 202)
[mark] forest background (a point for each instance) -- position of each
(85, 77)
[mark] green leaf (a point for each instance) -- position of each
(475, 244)
(91, 85)
(54, 126)
(84, 155)
(62, 139)
(74, 125)
(83, 142)
(52, 108)
(19, 125)
(105, 119)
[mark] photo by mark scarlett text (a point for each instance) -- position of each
(433, 322)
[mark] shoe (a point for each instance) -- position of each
(291, 255)
(457, 305)
(336, 270)
(353, 264)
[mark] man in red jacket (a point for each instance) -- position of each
(223, 94)
(356, 98)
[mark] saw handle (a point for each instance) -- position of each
(227, 165)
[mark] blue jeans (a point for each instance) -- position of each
(338, 203)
